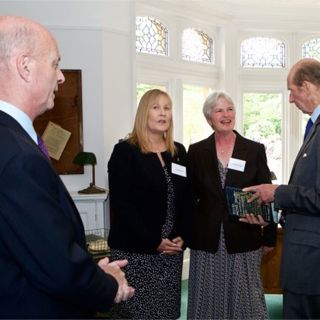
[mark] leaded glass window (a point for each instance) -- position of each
(197, 46)
(311, 49)
(151, 36)
(262, 52)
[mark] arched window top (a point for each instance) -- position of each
(151, 36)
(262, 52)
(197, 46)
(311, 49)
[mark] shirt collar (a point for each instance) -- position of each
(315, 114)
(21, 117)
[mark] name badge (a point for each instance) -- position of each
(178, 169)
(236, 164)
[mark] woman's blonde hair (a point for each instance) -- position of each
(139, 134)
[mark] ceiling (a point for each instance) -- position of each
(237, 10)
(272, 4)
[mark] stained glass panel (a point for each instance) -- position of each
(197, 46)
(262, 52)
(311, 49)
(151, 36)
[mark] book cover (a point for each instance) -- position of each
(238, 205)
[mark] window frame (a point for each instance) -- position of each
(227, 73)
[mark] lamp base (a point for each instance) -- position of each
(92, 189)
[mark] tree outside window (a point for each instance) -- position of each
(195, 126)
(262, 123)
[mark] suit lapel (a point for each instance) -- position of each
(13, 125)
(240, 151)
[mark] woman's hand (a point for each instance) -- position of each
(170, 247)
(254, 219)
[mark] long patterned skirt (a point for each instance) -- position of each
(225, 286)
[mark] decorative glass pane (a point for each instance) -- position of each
(195, 125)
(262, 52)
(197, 46)
(151, 36)
(311, 49)
(262, 123)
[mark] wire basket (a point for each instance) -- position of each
(97, 241)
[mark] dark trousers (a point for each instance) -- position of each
(299, 306)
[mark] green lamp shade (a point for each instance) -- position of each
(83, 158)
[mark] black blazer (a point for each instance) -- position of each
(46, 271)
(210, 206)
(138, 197)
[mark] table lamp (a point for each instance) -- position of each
(84, 158)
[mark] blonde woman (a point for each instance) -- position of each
(147, 180)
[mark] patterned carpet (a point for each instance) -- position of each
(274, 303)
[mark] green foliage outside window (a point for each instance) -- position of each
(142, 88)
(262, 114)
(262, 123)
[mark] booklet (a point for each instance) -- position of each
(238, 205)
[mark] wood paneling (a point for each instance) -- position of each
(67, 113)
(270, 267)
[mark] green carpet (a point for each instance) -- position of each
(274, 303)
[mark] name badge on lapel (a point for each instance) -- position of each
(236, 164)
(178, 169)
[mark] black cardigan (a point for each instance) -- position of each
(138, 197)
(210, 206)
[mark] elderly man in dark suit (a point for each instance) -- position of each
(300, 202)
(46, 271)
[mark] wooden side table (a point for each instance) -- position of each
(270, 267)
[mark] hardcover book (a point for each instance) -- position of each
(238, 205)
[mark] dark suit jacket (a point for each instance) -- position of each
(138, 197)
(300, 200)
(210, 206)
(46, 271)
